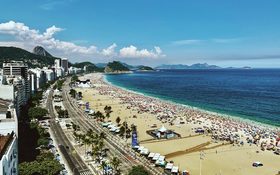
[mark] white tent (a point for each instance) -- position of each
(141, 148)
(144, 151)
(162, 129)
(136, 147)
(151, 155)
(169, 166)
(111, 126)
(174, 169)
(91, 112)
(156, 156)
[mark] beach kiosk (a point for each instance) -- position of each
(164, 133)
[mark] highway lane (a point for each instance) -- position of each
(119, 149)
(74, 161)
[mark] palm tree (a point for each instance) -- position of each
(99, 115)
(115, 162)
(104, 166)
(95, 151)
(118, 120)
(122, 131)
(108, 111)
(86, 141)
(102, 135)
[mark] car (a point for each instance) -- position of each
(257, 164)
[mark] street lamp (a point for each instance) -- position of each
(201, 156)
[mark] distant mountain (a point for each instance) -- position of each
(204, 66)
(194, 66)
(115, 67)
(39, 50)
(18, 54)
(101, 65)
(144, 68)
(90, 66)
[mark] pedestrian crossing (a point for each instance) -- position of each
(86, 172)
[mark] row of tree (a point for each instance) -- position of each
(98, 150)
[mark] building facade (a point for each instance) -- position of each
(8, 154)
(64, 65)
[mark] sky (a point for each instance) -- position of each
(152, 32)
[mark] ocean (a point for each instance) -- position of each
(252, 94)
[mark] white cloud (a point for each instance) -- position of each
(28, 38)
(197, 41)
(225, 40)
(133, 52)
(186, 42)
(110, 51)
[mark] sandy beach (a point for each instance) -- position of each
(229, 146)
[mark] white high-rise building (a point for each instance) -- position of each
(57, 63)
(15, 69)
(33, 81)
(49, 74)
(41, 77)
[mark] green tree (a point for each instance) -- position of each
(104, 166)
(73, 93)
(45, 164)
(108, 111)
(115, 162)
(118, 120)
(99, 115)
(138, 170)
(80, 94)
(37, 113)
(74, 78)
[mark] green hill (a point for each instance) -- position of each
(115, 66)
(145, 68)
(90, 66)
(18, 54)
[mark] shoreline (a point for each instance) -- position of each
(226, 139)
(217, 114)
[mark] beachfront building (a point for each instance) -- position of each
(33, 81)
(64, 64)
(57, 63)
(59, 72)
(50, 75)
(8, 154)
(14, 70)
(74, 70)
(8, 133)
(40, 77)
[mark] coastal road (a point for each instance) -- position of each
(125, 154)
(76, 164)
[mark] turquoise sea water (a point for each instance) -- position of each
(247, 93)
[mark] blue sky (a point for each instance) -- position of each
(152, 32)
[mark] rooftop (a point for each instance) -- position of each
(15, 63)
(4, 105)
